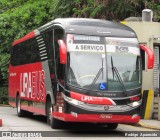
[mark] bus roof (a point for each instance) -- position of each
(85, 26)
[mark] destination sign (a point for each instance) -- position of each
(86, 47)
(87, 38)
(101, 48)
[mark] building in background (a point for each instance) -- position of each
(148, 33)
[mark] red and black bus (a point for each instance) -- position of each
(78, 70)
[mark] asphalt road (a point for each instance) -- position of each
(33, 123)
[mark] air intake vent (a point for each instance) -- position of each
(147, 15)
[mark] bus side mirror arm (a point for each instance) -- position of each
(150, 56)
(62, 52)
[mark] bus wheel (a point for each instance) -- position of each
(112, 125)
(20, 112)
(54, 123)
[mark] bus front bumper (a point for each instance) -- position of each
(96, 118)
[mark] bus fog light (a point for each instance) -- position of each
(74, 114)
(134, 116)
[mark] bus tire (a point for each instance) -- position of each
(112, 125)
(20, 112)
(54, 123)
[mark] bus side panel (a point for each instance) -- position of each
(12, 82)
(28, 81)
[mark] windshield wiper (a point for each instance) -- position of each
(95, 79)
(98, 74)
(114, 70)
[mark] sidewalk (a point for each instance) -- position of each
(0, 118)
(153, 124)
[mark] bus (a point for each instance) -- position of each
(78, 70)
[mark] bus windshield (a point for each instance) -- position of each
(84, 67)
(129, 69)
(95, 70)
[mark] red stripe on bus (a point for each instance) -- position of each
(26, 37)
(92, 99)
(33, 109)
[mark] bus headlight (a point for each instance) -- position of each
(72, 101)
(135, 104)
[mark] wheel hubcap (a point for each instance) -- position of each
(18, 106)
(50, 114)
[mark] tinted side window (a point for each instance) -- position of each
(14, 55)
(33, 51)
(25, 53)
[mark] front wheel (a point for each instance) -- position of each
(54, 123)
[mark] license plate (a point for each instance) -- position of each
(105, 116)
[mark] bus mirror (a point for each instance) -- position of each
(62, 51)
(150, 56)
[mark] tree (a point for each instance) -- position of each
(106, 9)
(18, 17)
(155, 6)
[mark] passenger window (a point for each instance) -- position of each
(25, 53)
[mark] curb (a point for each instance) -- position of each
(0, 122)
(148, 126)
(3, 105)
(140, 124)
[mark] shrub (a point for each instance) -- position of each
(3, 95)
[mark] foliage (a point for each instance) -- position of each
(155, 6)
(4, 60)
(106, 9)
(18, 17)
(62, 8)
(9, 4)
(3, 95)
